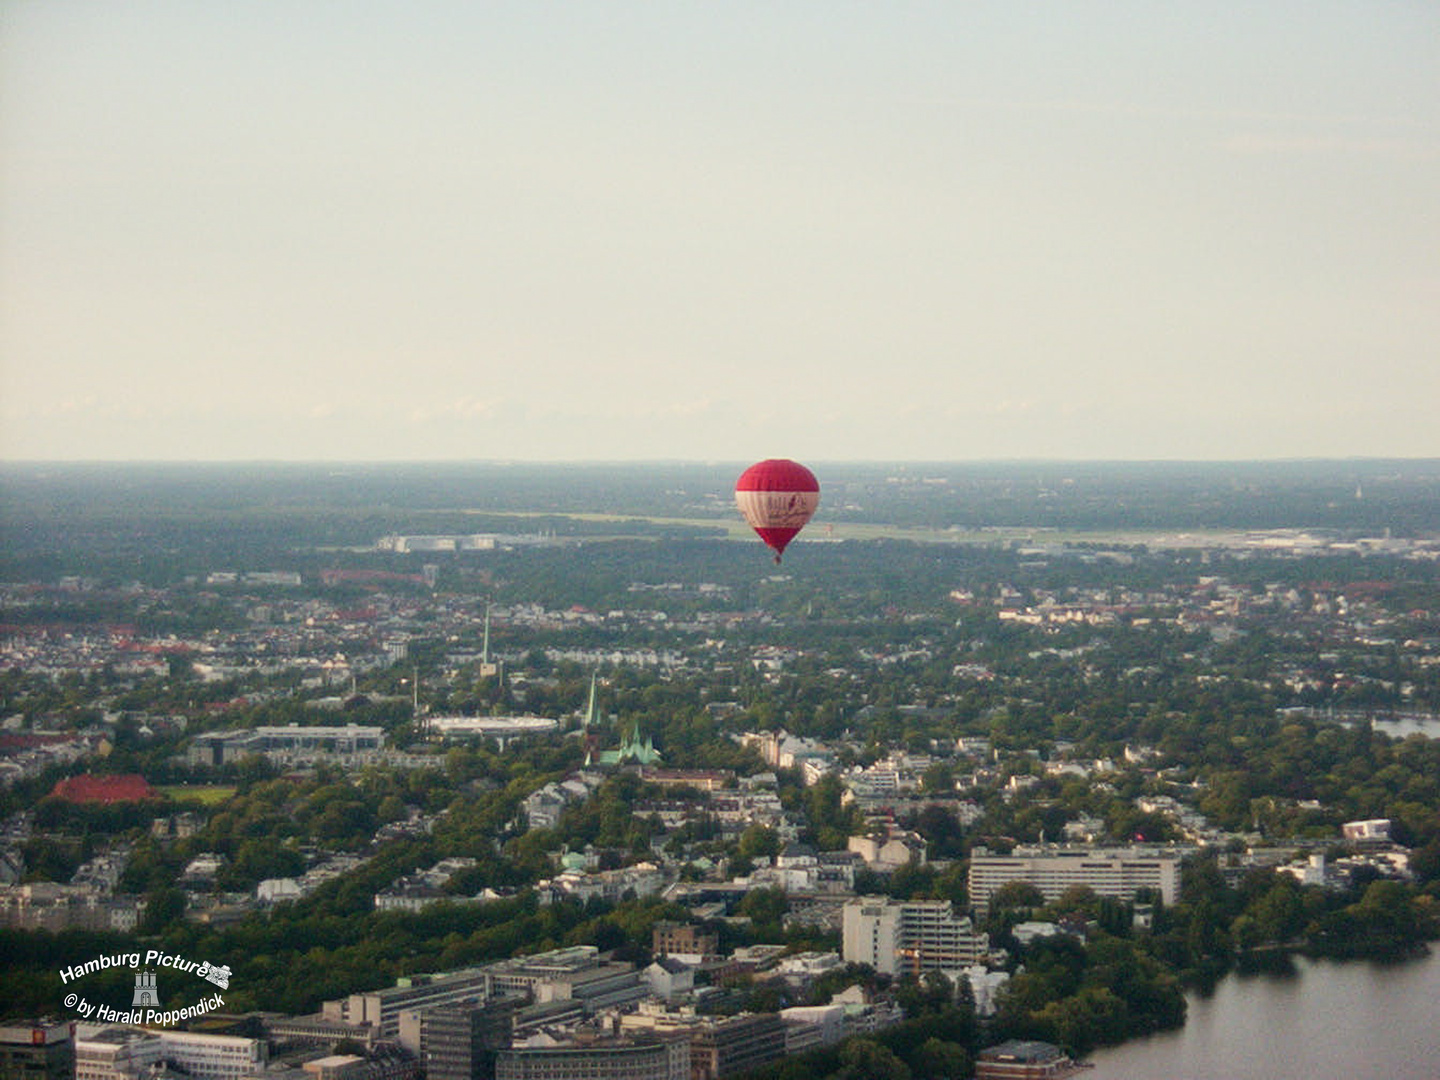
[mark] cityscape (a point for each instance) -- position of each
(781, 541)
(601, 800)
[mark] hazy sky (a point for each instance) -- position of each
(950, 230)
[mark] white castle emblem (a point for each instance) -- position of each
(145, 992)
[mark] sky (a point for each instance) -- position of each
(442, 230)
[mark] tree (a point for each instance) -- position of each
(391, 808)
(765, 908)
(943, 831)
(930, 994)
(164, 907)
(866, 1059)
(1093, 1017)
(1077, 899)
(939, 778)
(759, 842)
(1017, 894)
(940, 1059)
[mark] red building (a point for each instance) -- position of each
(104, 789)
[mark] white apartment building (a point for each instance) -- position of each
(907, 937)
(215, 1057)
(115, 1053)
(125, 1053)
(1116, 872)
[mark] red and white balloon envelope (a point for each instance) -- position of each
(777, 497)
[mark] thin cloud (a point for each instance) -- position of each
(1292, 144)
(1081, 107)
(462, 408)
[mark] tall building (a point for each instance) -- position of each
(460, 1042)
(898, 937)
(36, 1050)
(1116, 872)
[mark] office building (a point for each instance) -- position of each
(645, 1056)
(36, 1050)
(575, 974)
(386, 1063)
(460, 1042)
(293, 744)
(570, 974)
(214, 1057)
(125, 1053)
(381, 1009)
(719, 1046)
(735, 1045)
(116, 1053)
(907, 937)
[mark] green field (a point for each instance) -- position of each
(736, 529)
(204, 794)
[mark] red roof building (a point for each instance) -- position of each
(105, 789)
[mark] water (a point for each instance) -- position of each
(1396, 725)
(1414, 724)
(1311, 1020)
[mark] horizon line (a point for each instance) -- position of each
(715, 461)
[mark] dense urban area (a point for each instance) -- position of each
(550, 773)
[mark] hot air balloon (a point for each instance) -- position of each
(777, 497)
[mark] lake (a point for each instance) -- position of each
(1313, 1020)
(1414, 724)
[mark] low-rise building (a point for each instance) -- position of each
(640, 1056)
(802, 968)
(293, 744)
(888, 851)
(1376, 831)
(810, 1026)
(669, 938)
(1023, 1060)
(125, 1053)
(381, 1009)
(385, 1063)
(719, 1046)
(45, 905)
(669, 979)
